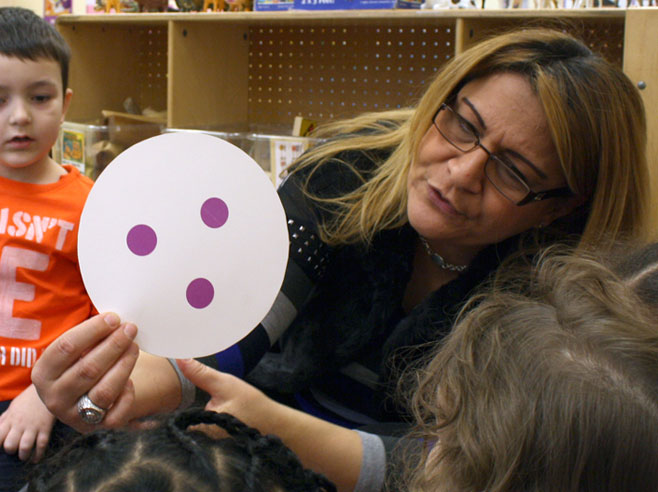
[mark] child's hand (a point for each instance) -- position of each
(25, 426)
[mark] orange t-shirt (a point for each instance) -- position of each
(41, 290)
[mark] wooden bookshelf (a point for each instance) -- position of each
(257, 70)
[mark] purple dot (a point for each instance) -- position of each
(214, 212)
(141, 240)
(200, 293)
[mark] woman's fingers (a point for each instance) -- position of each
(100, 357)
(95, 357)
(121, 412)
(70, 346)
(227, 392)
(113, 383)
(201, 375)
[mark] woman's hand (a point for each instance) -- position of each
(230, 394)
(95, 357)
(324, 447)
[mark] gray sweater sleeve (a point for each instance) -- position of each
(188, 391)
(373, 464)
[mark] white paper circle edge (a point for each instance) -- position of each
(142, 290)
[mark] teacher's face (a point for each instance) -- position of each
(450, 200)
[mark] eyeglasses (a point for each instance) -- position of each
(501, 170)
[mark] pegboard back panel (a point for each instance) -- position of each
(324, 71)
(151, 60)
(603, 36)
(262, 70)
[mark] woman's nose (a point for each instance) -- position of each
(467, 169)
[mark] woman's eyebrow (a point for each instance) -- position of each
(475, 111)
(532, 166)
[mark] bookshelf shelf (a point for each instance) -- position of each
(236, 71)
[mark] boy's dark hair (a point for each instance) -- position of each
(174, 458)
(25, 35)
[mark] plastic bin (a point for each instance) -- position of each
(92, 146)
(274, 153)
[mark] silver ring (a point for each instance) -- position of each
(90, 412)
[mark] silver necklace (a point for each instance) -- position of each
(438, 259)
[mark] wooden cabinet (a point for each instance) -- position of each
(256, 71)
(641, 65)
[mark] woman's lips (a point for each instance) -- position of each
(442, 204)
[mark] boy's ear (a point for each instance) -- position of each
(67, 101)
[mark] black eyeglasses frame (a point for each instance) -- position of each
(531, 196)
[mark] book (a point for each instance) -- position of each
(302, 126)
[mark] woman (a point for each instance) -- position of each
(525, 138)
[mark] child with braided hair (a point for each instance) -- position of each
(174, 457)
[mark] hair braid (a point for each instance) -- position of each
(172, 457)
(176, 427)
(54, 474)
(268, 453)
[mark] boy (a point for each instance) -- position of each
(41, 290)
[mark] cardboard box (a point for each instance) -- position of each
(273, 5)
(127, 129)
(344, 4)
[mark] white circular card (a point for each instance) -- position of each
(184, 235)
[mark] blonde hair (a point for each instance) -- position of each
(547, 384)
(595, 116)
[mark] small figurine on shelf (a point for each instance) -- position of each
(116, 4)
(153, 5)
(217, 5)
(240, 5)
(189, 5)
